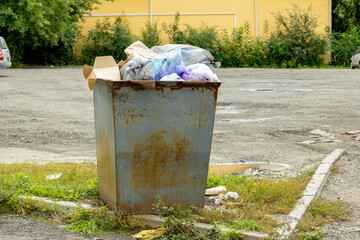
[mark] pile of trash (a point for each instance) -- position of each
(216, 195)
(171, 62)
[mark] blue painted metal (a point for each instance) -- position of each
(153, 141)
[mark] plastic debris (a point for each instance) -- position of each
(171, 77)
(150, 234)
(231, 195)
(137, 68)
(190, 54)
(218, 199)
(167, 63)
(53, 176)
(199, 72)
(215, 190)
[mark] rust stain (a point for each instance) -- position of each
(160, 165)
(140, 85)
(106, 172)
(155, 160)
(131, 116)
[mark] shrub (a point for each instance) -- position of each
(243, 50)
(206, 37)
(343, 45)
(105, 39)
(150, 36)
(175, 34)
(295, 42)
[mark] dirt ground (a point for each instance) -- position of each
(293, 117)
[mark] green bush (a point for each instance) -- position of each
(295, 42)
(206, 37)
(243, 50)
(42, 31)
(343, 45)
(105, 39)
(150, 36)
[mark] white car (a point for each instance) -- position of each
(5, 59)
(355, 59)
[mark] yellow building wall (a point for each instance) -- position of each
(235, 13)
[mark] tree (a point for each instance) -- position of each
(346, 14)
(30, 26)
(295, 42)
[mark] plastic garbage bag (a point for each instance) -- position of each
(231, 195)
(215, 190)
(167, 63)
(199, 72)
(139, 49)
(53, 176)
(190, 54)
(150, 234)
(171, 77)
(137, 69)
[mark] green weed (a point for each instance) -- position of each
(318, 214)
(98, 221)
(77, 181)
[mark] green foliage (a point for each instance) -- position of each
(91, 221)
(295, 42)
(206, 37)
(344, 44)
(315, 235)
(251, 225)
(175, 34)
(244, 50)
(328, 209)
(318, 214)
(77, 181)
(216, 233)
(37, 27)
(150, 36)
(105, 39)
(346, 15)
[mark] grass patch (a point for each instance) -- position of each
(319, 213)
(77, 181)
(258, 200)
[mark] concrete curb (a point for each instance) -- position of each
(152, 221)
(311, 192)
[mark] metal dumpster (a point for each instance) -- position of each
(153, 141)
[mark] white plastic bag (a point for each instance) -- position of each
(190, 54)
(199, 72)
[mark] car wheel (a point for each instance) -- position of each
(351, 65)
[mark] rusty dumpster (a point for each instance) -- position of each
(153, 140)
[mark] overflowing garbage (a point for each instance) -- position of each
(171, 62)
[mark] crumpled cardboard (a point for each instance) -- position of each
(139, 49)
(104, 68)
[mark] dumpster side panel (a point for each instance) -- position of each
(105, 141)
(163, 141)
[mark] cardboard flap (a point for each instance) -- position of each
(105, 68)
(140, 49)
(86, 71)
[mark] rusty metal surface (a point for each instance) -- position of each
(162, 142)
(105, 142)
